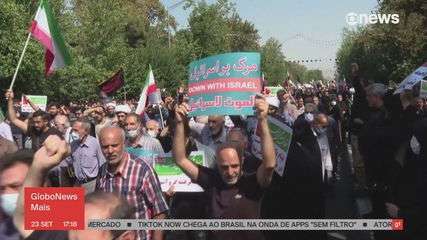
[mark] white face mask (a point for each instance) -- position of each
(415, 145)
(74, 136)
(8, 202)
(132, 133)
(152, 133)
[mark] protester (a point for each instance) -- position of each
(13, 169)
(143, 146)
(86, 156)
(98, 205)
(152, 128)
(215, 132)
(234, 195)
(132, 177)
(121, 112)
(38, 126)
(62, 123)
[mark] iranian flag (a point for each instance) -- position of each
(149, 92)
(45, 29)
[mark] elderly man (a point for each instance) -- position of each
(121, 112)
(215, 132)
(152, 128)
(5, 130)
(133, 178)
(62, 123)
(232, 194)
(86, 156)
(145, 147)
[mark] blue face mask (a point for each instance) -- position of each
(8, 202)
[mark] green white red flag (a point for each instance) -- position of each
(45, 29)
(149, 92)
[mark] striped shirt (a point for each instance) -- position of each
(147, 148)
(136, 181)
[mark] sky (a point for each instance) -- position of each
(307, 29)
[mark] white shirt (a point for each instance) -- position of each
(325, 152)
(5, 131)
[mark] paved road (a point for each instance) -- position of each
(341, 202)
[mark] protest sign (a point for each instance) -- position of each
(224, 84)
(171, 175)
(272, 91)
(416, 76)
(282, 136)
(40, 101)
(423, 89)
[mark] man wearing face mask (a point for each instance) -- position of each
(153, 128)
(86, 155)
(13, 169)
(143, 146)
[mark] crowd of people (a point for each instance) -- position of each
(110, 150)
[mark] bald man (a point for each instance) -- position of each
(132, 177)
(231, 193)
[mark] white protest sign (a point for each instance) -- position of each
(171, 175)
(282, 136)
(416, 76)
(40, 101)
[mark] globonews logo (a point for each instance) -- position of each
(364, 19)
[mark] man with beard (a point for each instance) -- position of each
(232, 194)
(215, 132)
(38, 128)
(52, 109)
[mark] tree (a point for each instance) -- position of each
(387, 52)
(273, 62)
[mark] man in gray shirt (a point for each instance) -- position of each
(86, 155)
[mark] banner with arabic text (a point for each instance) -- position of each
(171, 175)
(224, 84)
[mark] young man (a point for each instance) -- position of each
(39, 128)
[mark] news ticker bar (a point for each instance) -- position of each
(248, 224)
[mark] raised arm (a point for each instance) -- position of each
(33, 106)
(11, 113)
(178, 146)
(53, 151)
(266, 169)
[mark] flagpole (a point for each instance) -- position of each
(125, 94)
(20, 61)
(161, 115)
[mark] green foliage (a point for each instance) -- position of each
(104, 36)
(273, 62)
(387, 52)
